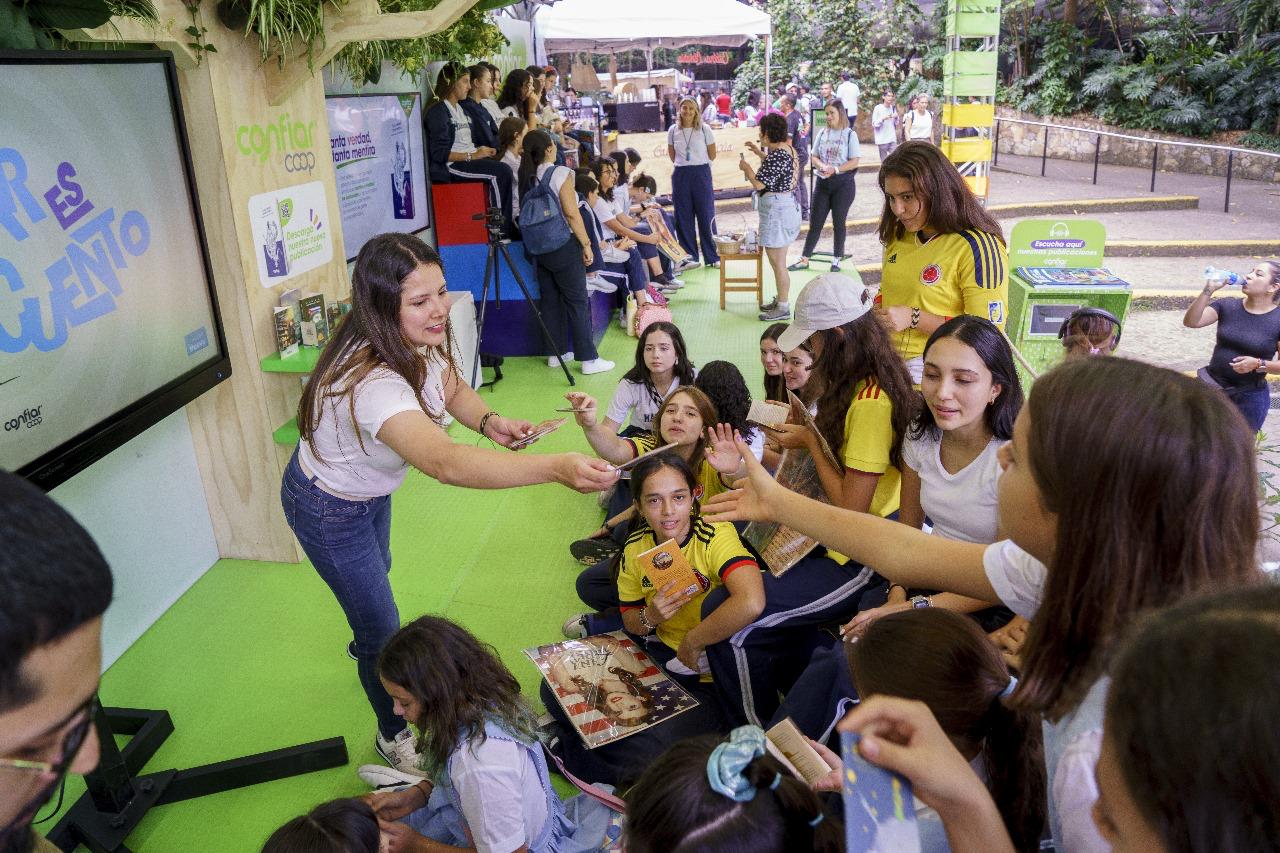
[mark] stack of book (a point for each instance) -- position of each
(306, 320)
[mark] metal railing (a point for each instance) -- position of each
(1155, 154)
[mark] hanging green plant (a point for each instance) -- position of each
(284, 28)
(35, 24)
(472, 36)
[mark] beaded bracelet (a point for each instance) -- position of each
(485, 420)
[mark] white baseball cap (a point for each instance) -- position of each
(832, 299)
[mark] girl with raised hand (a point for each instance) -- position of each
(714, 796)
(944, 253)
(1102, 527)
(950, 457)
(371, 409)
(485, 783)
(662, 365)
(1248, 332)
(673, 621)
(945, 661)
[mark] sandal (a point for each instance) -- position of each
(588, 552)
(802, 264)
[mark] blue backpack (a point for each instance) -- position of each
(542, 222)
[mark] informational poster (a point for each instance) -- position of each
(1057, 243)
(103, 290)
(291, 232)
(376, 141)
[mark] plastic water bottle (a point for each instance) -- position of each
(1225, 276)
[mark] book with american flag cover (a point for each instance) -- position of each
(608, 687)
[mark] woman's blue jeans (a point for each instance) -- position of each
(349, 544)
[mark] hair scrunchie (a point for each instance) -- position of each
(1009, 688)
(729, 759)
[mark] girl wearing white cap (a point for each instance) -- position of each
(864, 409)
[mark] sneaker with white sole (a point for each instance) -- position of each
(567, 357)
(598, 284)
(687, 264)
(575, 627)
(777, 312)
(597, 365)
(381, 776)
(401, 753)
(669, 283)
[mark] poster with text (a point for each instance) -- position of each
(290, 231)
(378, 157)
(103, 292)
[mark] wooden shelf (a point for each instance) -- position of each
(303, 361)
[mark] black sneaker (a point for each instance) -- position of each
(588, 552)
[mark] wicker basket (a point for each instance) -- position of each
(728, 244)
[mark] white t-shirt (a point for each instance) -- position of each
(606, 211)
(848, 93)
(562, 174)
(921, 125)
(377, 470)
(836, 147)
(512, 162)
(633, 402)
(491, 106)
(501, 795)
(887, 132)
(462, 143)
(1016, 576)
(691, 144)
(962, 506)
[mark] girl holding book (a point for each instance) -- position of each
(371, 409)
(671, 620)
(863, 412)
(1101, 529)
(484, 784)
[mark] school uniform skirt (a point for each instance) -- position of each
(779, 220)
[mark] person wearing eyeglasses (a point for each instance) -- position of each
(54, 587)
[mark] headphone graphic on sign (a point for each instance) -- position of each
(1089, 311)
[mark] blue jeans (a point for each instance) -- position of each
(349, 544)
(1253, 403)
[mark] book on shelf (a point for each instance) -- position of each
(315, 324)
(286, 330)
(338, 309)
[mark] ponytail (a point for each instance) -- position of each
(1013, 754)
(807, 827)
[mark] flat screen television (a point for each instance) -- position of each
(108, 317)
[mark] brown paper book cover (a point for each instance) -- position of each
(794, 752)
(664, 564)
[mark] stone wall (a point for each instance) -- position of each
(1079, 145)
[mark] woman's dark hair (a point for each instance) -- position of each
(775, 387)
(538, 73)
(1156, 500)
(633, 156)
(1090, 334)
(641, 181)
(984, 338)
(533, 154)
(753, 98)
(950, 207)
(683, 369)
(460, 684)
(450, 73)
(773, 128)
(722, 382)
(1191, 721)
(508, 130)
(620, 159)
(475, 72)
(512, 89)
(338, 826)
(672, 809)
(583, 185)
(646, 468)
(858, 350)
(371, 336)
(597, 169)
(944, 660)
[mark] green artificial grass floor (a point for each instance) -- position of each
(253, 657)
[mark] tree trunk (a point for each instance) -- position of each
(1071, 12)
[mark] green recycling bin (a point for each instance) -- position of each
(1042, 298)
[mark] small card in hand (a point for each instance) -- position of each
(768, 413)
(538, 432)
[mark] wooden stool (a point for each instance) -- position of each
(739, 284)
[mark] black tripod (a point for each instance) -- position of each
(118, 798)
(498, 251)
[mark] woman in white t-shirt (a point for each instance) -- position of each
(918, 123)
(885, 121)
(950, 458)
(692, 147)
(371, 409)
(1135, 487)
(485, 784)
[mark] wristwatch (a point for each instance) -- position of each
(919, 601)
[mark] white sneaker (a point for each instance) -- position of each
(380, 776)
(574, 628)
(597, 283)
(596, 365)
(567, 357)
(401, 753)
(687, 264)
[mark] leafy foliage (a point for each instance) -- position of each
(35, 24)
(472, 36)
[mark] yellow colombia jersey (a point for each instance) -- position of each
(868, 437)
(708, 477)
(948, 275)
(714, 551)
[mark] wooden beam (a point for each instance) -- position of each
(358, 21)
(167, 35)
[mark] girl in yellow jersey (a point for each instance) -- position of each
(944, 254)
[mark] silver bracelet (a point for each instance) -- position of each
(644, 619)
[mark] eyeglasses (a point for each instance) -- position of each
(72, 739)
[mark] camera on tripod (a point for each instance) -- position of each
(493, 222)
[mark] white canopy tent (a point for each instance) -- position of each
(610, 26)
